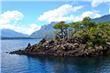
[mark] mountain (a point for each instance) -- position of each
(7, 33)
(105, 18)
(45, 31)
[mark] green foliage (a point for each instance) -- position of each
(63, 29)
(61, 25)
(95, 34)
(76, 25)
(87, 22)
(82, 25)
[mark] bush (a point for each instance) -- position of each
(94, 35)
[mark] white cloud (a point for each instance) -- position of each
(77, 8)
(9, 16)
(59, 14)
(92, 14)
(12, 15)
(65, 13)
(32, 28)
(9, 20)
(95, 3)
(98, 2)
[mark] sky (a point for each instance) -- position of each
(27, 16)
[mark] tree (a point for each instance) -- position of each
(87, 22)
(62, 27)
(76, 25)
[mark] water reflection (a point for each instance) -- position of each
(75, 64)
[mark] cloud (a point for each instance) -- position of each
(65, 13)
(32, 28)
(98, 2)
(59, 14)
(95, 3)
(12, 15)
(9, 16)
(10, 19)
(92, 14)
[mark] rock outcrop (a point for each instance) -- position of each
(64, 47)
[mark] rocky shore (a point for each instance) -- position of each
(64, 47)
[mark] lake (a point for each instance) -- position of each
(26, 64)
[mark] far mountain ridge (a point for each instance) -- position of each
(45, 31)
(105, 18)
(8, 33)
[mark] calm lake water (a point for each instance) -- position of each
(26, 64)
